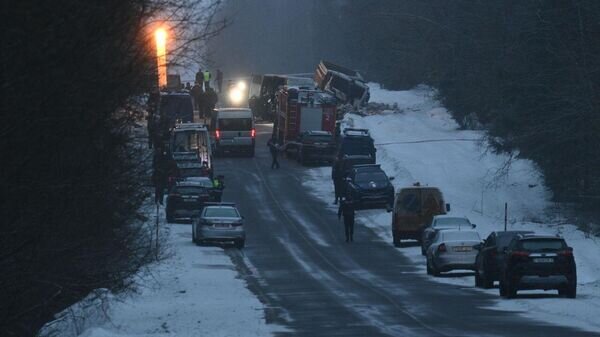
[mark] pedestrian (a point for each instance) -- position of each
(211, 100)
(274, 148)
(200, 76)
(219, 80)
(197, 96)
(206, 75)
(337, 183)
(346, 209)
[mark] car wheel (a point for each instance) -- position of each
(240, 244)
(486, 283)
(478, 282)
(170, 218)
(423, 251)
(569, 291)
(194, 235)
(397, 240)
(510, 290)
(429, 271)
(434, 271)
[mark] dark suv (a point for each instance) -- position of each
(369, 187)
(186, 199)
(316, 146)
(490, 257)
(538, 262)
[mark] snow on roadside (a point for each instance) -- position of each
(195, 292)
(423, 144)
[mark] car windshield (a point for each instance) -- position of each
(235, 124)
(191, 172)
(451, 222)
(357, 146)
(503, 238)
(176, 106)
(221, 212)
(202, 182)
(543, 244)
(318, 138)
(190, 190)
(187, 141)
(458, 236)
(367, 177)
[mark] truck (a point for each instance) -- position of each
(300, 109)
(345, 84)
(264, 88)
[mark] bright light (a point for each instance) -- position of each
(236, 95)
(160, 36)
(242, 85)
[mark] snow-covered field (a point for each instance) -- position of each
(195, 292)
(422, 143)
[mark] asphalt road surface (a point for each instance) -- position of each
(315, 284)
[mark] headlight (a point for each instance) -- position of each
(242, 85)
(236, 95)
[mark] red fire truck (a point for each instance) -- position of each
(300, 110)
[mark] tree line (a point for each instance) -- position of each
(73, 176)
(528, 70)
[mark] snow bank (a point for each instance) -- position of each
(423, 144)
(195, 292)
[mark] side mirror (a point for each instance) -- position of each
(447, 207)
(473, 225)
(570, 249)
(391, 178)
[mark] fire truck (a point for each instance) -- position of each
(300, 109)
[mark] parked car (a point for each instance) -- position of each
(367, 186)
(440, 222)
(315, 146)
(232, 130)
(219, 222)
(186, 199)
(452, 249)
(491, 255)
(414, 207)
(536, 261)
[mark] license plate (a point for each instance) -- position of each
(543, 260)
(463, 249)
(222, 226)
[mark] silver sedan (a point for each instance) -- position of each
(451, 250)
(219, 222)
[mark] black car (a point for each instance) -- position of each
(186, 198)
(538, 262)
(491, 257)
(316, 146)
(351, 143)
(369, 187)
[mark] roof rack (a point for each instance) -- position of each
(366, 165)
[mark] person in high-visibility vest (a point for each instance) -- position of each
(207, 75)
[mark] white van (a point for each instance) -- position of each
(232, 130)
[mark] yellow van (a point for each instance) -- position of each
(414, 207)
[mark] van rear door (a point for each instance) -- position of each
(235, 131)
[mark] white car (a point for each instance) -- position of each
(451, 250)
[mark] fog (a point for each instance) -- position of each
(275, 36)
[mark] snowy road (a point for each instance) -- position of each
(315, 284)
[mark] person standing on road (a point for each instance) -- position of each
(211, 100)
(206, 75)
(219, 80)
(197, 96)
(274, 148)
(346, 209)
(337, 183)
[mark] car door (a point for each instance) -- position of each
(487, 254)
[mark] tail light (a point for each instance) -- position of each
(519, 254)
(567, 253)
(253, 133)
(442, 248)
(218, 134)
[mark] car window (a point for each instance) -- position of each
(457, 236)
(543, 244)
(491, 240)
(221, 212)
(376, 177)
(410, 202)
(235, 124)
(451, 222)
(189, 190)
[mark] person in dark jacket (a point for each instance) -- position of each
(211, 101)
(346, 209)
(337, 183)
(274, 148)
(196, 93)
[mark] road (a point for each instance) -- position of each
(315, 284)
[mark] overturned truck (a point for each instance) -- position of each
(347, 85)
